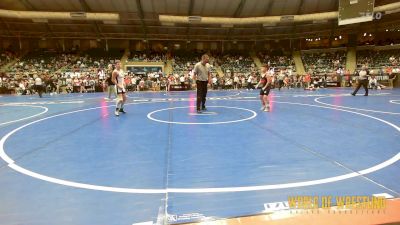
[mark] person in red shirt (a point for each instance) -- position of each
(348, 78)
(307, 80)
(128, 82)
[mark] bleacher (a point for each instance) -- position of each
(184, 63)
(277, 61)
(79, 68)
(376, 59)
(6, 57)
(147, 56)
(323, 62)
(236, 62)
(381, 63)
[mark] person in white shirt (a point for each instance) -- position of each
(362, 81)
(118, 76)
(202, 76)
(214, 82)
(68, 80)
(373, 82)
(39, 86)
(250, 82)
(281, 78)
(236, 82)
(101, 74)
(182, 80)
(134, 80)
(21, 88)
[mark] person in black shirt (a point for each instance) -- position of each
(110, 85)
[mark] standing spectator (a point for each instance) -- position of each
(348, 78)
(101, 74)
(281, 78)
(235, 82)
(182, 80)
(250, 82)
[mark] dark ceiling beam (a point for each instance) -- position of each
(28, 5)
(294, 26)
(236, 14)
(86, 8)
(239, 8)
(191, 6)
(127, 26)
(129, 36)
(324, 32)
(334, 24)
(312, 27)
(336, 5)
(141, 16)
(7, 27)
(98, 30)
(267, 13)
(301, 5)
(244, 35)
(190, 13)
(48, 28)
(269, 7)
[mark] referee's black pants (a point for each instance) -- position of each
(363, 83)
(280, 82)
(39, 89)
(201, 94)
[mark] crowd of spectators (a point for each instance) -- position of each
(147, 56)
(232, 63)
(87, 71)
(6, 57)
(277, 61)
(378, 59)
(60, 71)
(324, 62)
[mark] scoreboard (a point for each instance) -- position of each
(355, 11)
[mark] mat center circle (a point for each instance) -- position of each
(214, 115)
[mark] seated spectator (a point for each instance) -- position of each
(325, 62)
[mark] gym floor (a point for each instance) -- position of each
(66, 159)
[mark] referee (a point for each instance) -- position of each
(362, 80)
(39, 85)
(202, 77)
